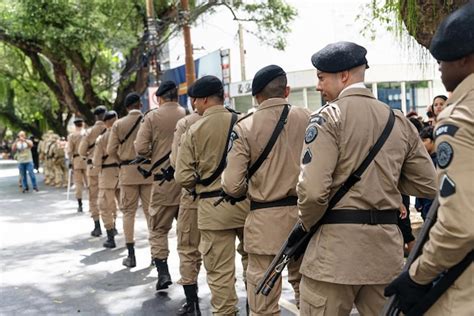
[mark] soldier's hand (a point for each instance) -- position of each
(296, 234)
(70, 166)
(408, 291)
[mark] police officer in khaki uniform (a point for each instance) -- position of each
(133, 185)
(59, 162)
(78, 163)
(48, 165)
(187, 229)
(451, 239)
(358, 249)
(272, 188)
(86, 149)
(199, 166)
(109, 192)
(154, 140)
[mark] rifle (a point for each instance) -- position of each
(391, 307)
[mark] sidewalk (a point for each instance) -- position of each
(50, 264)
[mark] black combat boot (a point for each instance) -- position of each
(130, 261)
(79, 205)
(97, 231)
(191, 307)
(110, 242)
(164, 277)
(114, 230)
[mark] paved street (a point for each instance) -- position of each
(51, 265)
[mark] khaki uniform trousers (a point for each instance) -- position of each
(218, 251)
(93, 196)
(268, 305)
(60, 173)
(108, 206)
(48, 171)
(129, 195)
(188, 243)
(80, 179)
(160, 224)
(320, 298)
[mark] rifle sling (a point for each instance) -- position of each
(268, 148)
(441, 286)
(221, 166)
(160, 161)
(93, 144)
(131, 130)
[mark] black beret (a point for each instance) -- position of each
(264, 76)
(131, 99)
(205, 86)
(100, 110)
(454, 37)
(339, 56)
(110, 115)
(78, 120)
(165, 87)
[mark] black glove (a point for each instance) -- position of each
(296, 234)
(408, 291)
(230, 199)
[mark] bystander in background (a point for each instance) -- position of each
(22, 149)
(426, 134)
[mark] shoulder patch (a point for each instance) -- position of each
(318, 119)
(233, 137)
(447, 187)
(444, 154)
(307, 157)
(311, 133)
(446, 129)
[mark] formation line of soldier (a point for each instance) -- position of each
(265, 178)
(51, 151)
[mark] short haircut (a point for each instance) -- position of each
(427, 132)
(79, 124)
(219, 95)
(440, 97)
(275, 88)
(170, 95)
(416, 122)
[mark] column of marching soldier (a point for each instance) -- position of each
(268, 177)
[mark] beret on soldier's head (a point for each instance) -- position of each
(339, 56)
(78, 120)
(264, 76)
(100, 110)
(131, 99)
(205, 86)
(454, 38)
(165, 87)
(110, 115)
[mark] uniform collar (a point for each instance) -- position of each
(359, 85)
(135, 112)
(99, 123)
(461, 90)
(214, 109)
(172, 103)
(356, 91)
(271, 102)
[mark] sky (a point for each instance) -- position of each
(318, 23)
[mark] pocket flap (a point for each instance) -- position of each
(313, 299)
(204, 247)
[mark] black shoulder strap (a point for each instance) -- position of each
(220, 168)
(131, 130)
(160, 161)
(356, 175)
(276, 132)
(93, 144)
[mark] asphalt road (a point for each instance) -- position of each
(50, 264)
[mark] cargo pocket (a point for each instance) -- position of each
(208, 257)
(312, 304)
(184, 235)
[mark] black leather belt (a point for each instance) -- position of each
(125, 162)
(371, 217)
(288, 201)
(212, 194)
(75, 155)
(110, 165)
(158, 177)
(89, 161)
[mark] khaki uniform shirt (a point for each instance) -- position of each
(86, 146)
(452, 236)
(108, 177)
(128, 174)
(337, 140)
(154, 140)
(187, 200)
(73, 141)
(200, 153)
(266, 229)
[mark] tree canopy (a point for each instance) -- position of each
(65, 57)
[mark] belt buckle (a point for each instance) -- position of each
(372, 220)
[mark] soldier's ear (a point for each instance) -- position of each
(287, 91)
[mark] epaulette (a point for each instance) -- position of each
(244, 117)
(316, 113)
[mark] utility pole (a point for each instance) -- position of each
(188, 46)
(152, 43)
(242, 53)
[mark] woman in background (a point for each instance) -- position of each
(438, 105)
(22, 148)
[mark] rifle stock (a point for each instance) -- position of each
(391, 307)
